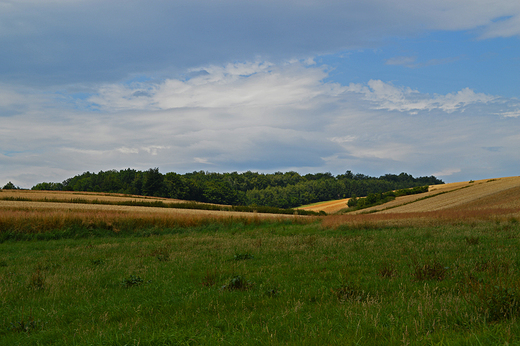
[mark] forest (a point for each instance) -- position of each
(281, 190)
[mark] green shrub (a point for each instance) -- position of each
(243, 256)
(132, 281)
(237, 283)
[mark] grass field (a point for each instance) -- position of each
(81, 276)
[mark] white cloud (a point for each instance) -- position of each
(390, 97)
(510, 114)
(506, 27)
(126, 150)
(410, 61)
(265, 117)
(344, 139)
(447, 172)
(234, 85)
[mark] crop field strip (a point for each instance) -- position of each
(329, 207)
(37, 195)
(453, 195)
(20, 205)
(410, 203)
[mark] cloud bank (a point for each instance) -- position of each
(260, 116)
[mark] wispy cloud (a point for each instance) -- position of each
(510, 114)
(390, 97)
(407, 61)
(446, 172)
(410, 61)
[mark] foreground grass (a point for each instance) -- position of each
(278, 283)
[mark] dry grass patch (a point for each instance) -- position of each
(421, 219)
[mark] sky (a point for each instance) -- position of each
(370, 86)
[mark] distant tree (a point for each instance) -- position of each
(48, 186)
(176, 186)
(10, 186)
(352, 202)
(153, 183)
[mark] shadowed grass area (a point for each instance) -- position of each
(258, 283)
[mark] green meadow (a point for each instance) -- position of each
(266, 283)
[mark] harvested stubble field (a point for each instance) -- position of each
(480, 194)
(329, 207)
(103, 276)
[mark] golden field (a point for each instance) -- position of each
(479, 194)
(41, 211)
(473, 200)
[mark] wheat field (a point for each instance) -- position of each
(473, 200)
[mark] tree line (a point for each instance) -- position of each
(281, 190)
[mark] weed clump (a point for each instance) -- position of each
(349, 292)
(388, 270)
(28, 326)
(430, 271)
(243, 256)
(162, 254)
(472, 240)
(237, 283)
(210, 279)
(97, 262)
(37, 280)
(493, 266)
(272, 292)
(502, 303)
(497, 302)
(132, 281)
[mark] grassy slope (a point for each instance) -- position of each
(305, 285)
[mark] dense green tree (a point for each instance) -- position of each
(153, 183)
(48, 186)
(10, 186)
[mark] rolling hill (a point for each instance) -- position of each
(470, 195)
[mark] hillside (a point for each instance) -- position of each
(470, 195)
(280, 190)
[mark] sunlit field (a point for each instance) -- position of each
(81, 276)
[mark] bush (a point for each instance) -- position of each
(131, 281)
(237, 283)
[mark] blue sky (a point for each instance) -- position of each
(372, 86)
